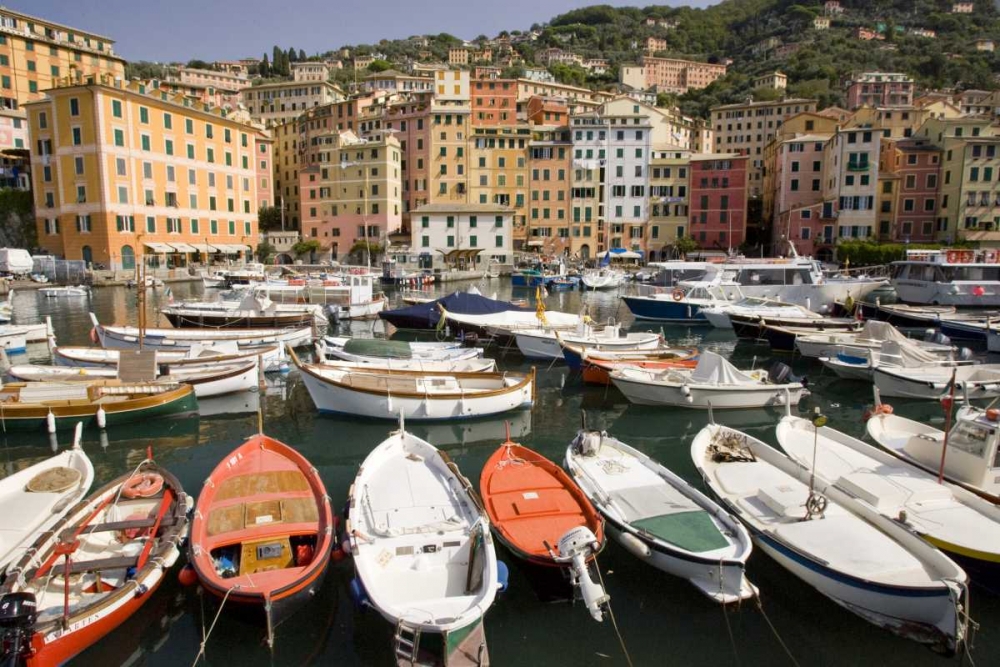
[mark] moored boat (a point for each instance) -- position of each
(845, 550)
(263, 530)
(94, 569)
(870, 337)
(127, 338)
(473, 365)
(547, 344)
(577, 357)
(540, 514)
(71, 291)
(932, 382)
(660, 518)
(371, 349)
(272, 356)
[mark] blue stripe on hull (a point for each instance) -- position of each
(667, 311)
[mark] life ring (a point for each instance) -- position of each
(678, 294)
(952, 256)
(143, 485)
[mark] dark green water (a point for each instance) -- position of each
(662, 620)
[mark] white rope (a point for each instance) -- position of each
(611, 614)
(760, 606)
(206, 635)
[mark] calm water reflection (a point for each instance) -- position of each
(662, 619)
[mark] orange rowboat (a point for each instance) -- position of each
(539, 513)
(263, 530)
(595, 371)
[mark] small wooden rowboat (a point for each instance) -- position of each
(538, 512)
(31, 406)
(94, 569)
(273, 356)
(263, 529)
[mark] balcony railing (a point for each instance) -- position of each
(858, 166)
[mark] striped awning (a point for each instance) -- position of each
(158, 247)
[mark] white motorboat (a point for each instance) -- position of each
(474, 365)
(949, 277)
(508, 322)
(870, 337)
(751, 306)
(36, 498)
(363, 350)
(381, 394)
(213, 280)
(660, 518)
(972, 459)
(843, 548)
(955, 520)
(69, 291)
(423, 551)
(207, 381)
(127, 338)
(13, 342)
(545, 343)
(602, 278)
(273, 357)
(860, 364)
(682, 303)
(714, 383)
(974, 381)
(249, 312)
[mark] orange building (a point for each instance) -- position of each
(494, 102)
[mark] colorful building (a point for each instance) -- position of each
(471, 233)
(909, 211)
(276, 103)
(718, 200)
(122, 170)
(494, 102)
(668, 200)
(880, 89)
(550, 152)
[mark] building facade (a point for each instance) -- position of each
(909, 213)
(880, 89)
(482, 231)
(276, 103)
(718, 200)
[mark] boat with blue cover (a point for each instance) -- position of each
(425, 316)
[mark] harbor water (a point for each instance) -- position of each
(661, 620)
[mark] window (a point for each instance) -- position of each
(451, 241)
(499, 241)
(150, 224)
(116, 108)
(74, 106)
(78, 165)
(189, 126)
(168, 121)
(232, 228)
(119, 137)
(168, 147)
(122, 194)
(145, 142)
(190, 151)
(210, 154)
(81, 194)
(144, 115)
(147, 170)
(120, 167)
(213, 226)
(83, 224)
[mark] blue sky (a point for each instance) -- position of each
(165, 30)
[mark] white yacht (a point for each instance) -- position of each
(957, 277)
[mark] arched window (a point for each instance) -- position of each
(128, 258)
(88, 254)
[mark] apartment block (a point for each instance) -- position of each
(880, 89)
(672, 75)
(668, 199)
(969, 196)
(410, 121)
(546, 111)
(718, 200)
(748, 127)
(472, 233)
(449, 145)
(276, 103)
(498, 172)
(392, 81)
(627, 180)
(852, 175)
(206, 77)
(350, 189)
(310, 70)
(577, 99)
(120, 172)
(550, 153)
(494, 102)
(796, 175)
(286, 170)
(908, 205)
(589, 134)
(36, 54)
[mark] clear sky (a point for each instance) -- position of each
(168, 30)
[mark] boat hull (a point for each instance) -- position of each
(846, 371)
(672, 395)
(212, 320)
(165, 340)
(899, 385)
(958, 293)
(664, 310)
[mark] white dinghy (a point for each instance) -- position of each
(660, 518)
(870, 337)
(545, 343)
(272, 356)
(864, 562)
(390, 364)
(860, 364)
(422, 550)
(975, 381)
(713, 383)
(374, 349)
(955, 520)
(70, 291)
(127, 338)
(36, 498)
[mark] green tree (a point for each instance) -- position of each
(17, 219)
(293, 55)
(379, 66)
(269, 218)
(685, 245)
(302, 55)
(265, 251)
(306, 247)
(264, 68)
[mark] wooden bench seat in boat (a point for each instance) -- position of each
(285, 499)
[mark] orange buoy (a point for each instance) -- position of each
(143, 485)
(187, 576)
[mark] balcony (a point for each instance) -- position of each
(858, 166)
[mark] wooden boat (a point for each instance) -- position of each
(660, 518)
(598, 371)
(956, 521)
(57, 292)
(27, 406)
(545, 343)
(127, 338)
(577, 357)
(931, 382)
(201, 317)
(216, 380)
(389, 364)
(423, 552)
(33, 333)
(540, 514)
(751, 328)
(850, 553)
(782, 339)
(713, 383)
(36, 498)
(94, 569)
(372, 349)
(418, 395)
(272, 356)
(263, 529)
(972, 460)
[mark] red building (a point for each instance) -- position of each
(916, 166)
(494, 102)
(718, 200)
(547, 111)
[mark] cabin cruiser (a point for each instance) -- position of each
(949, 277)
(680, 304)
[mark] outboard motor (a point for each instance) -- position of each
(781, 373)
(576, 546)
(333, 313)
(929, 335)
(17, 620)
(965, 354)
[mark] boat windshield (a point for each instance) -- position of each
(972, 438)
(971, 272)
(774, 276)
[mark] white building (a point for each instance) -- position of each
(473, 232)
(851, 164)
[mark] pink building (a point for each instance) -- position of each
(409, 121)
(916, 164)
(880, 89)
(798, 187)
(718, 200)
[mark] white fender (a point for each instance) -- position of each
(638, 548)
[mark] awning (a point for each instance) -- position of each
(202, 247)
(467, 253)
(184, 247)
(535, 243)
(158, 247)
(230, 248)
(620, 253)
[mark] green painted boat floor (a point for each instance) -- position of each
(692, 531)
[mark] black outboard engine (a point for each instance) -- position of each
(965, 354)
(781, 373)
(17, 621)
(333, 313)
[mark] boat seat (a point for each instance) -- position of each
(262, 483)
(78, 567)
(129, 524)
(240, 516)
(33, 393)
(785, 500)
(742, 478)
(653, 500)
(692, 531)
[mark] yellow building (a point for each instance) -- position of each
(119, 169)
(448, 148)
(498, 166)
(668, 199)
(286, 171)
(35, 54)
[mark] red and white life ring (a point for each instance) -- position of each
(678, 294)
(952, 256)
(143, 485)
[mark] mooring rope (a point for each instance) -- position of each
(760, 606)
(611, 613)
(205, 635)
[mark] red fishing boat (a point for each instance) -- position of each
(595, 371)
(539, 513)
(263, 530)
(94, 569)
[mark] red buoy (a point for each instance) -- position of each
(187, 576)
